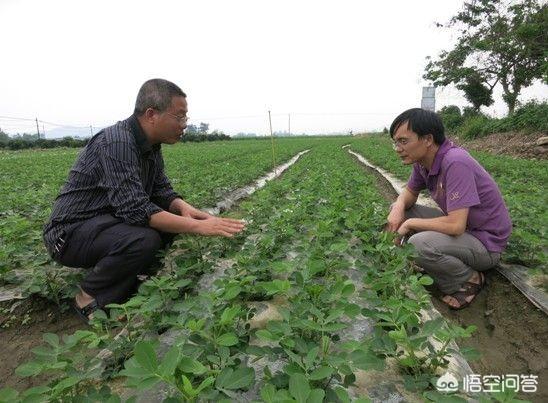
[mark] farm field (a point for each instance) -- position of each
(30, 181)
(312, 303)
(522, 183)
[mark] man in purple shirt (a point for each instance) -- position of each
(470, 232)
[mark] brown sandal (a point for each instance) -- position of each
(468, 289)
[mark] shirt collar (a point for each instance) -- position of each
(442, 150)
(140, 137)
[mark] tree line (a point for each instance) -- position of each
(23, 141)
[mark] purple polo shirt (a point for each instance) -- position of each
(455, 181)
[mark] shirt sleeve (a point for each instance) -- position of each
(460, 187)
(162, 191)
(416, 181)
(126, 195)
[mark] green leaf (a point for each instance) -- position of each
(339, 247)
(311, 357)
(37, 390)
(348, 290)
(227, 339)
(169, 362)
(229, 314)
(182, 283)
(232, 291)
(431, 326)
(299, 387)
(264, 334)
(191, 366)
(268, 393)
(342, 394)
(132, 369)
(52, 339)
(352, 310)
(276, 286)
(8, 394)
(147, 383)
(29, 369)
(44, 351)
(316, 396)
(320, 373)
(145, 356)
(470, 353)
(333, 327)
(187, 386)
(205, 384)
(366, 360)
(65, 383)
(426, 280)
(239, 379)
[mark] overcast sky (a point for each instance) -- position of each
(334, 66)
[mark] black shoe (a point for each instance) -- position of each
(85, 311)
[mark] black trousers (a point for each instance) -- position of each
(114, 253)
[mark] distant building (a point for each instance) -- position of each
(428, 101)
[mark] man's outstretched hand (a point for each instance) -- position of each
(212, 226)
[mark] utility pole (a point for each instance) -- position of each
(289, 124)
(37, 128)
(91, 130)
(43, 131)
(272, 141)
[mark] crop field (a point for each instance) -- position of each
(311, 303)
(30, 181)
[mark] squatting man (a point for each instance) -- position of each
(457, 244)
(117, 208)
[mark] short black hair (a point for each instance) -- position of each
(422, 122)
(156, 94)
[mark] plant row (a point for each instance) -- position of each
(314, 253)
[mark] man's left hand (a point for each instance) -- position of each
(405, 228)
(184, 209)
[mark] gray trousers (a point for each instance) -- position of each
(449, 260)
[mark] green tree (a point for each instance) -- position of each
(498, 44)
(476, 92)
(4, 138)
(451, 117)
(204, 128)
(191, 129)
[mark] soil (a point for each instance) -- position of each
(17, 338)
(514, 144)
(511, 335)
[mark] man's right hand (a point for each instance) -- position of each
(219, 226)
(396, 217)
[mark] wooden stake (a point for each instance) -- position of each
(272, 141)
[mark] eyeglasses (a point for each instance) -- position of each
(401, 143)
(181, 119)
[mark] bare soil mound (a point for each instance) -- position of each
(514, 144)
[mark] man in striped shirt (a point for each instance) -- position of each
(117, 208)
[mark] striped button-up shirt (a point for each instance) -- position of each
(119, 173)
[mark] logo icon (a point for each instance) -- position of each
(447, 383)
